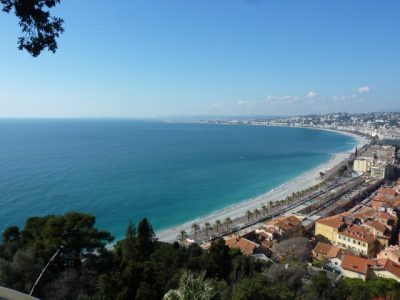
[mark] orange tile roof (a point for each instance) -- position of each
(334, 221)
(365, 213)
(387, 191)
(327, 250)
(247, 247)
(378, 226)
(322, 248)
(288, 223)
(275, 220)
(354, 264)
(334, 252)
(231, 241)
(358, 233)
(393, 250)
(386, 216)
(386, 264)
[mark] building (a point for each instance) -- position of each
(381, 170)
(329, 227)
(244, 245)
(363, 164)
(384, 268)
(391, 252)
(285, 226)
(354, 267)
(358, 240)
(323, 251)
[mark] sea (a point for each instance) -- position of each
(170, 173)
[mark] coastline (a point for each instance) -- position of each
(303, 181)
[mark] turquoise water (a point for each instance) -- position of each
(171, 173)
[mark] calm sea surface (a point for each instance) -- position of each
(171, 173)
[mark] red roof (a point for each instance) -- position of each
(334, 221)
(358, 233)
(327, 250)
(322, 248)
(247, 247)
(376, 225)
(387, 192)
(385, 264)
(354, 264)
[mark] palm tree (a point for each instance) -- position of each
(256, 212)
(195, 227)
(271, 205)
(192, 286)
(282, 203)
(207, 227)
(228, 222)
(249, 214)
(217, 224)
(264, 209)
(182, 236)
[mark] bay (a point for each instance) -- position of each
(125, 169)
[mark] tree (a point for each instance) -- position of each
(182, 236)
(129, 244)
(218, 223)
(271, 205)
(264, 209)
(256, 212)
(321, 285)
(191, 286)
(298, 249)
(228, 222)
(249, 215)
(218, 262)
(145, 238)
(251, 288)
(40, 30)
(281, 203)
(207, 227)
(195, 227)
(10, 234)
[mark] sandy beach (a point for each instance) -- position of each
(301, 182)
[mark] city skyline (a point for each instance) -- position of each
(146, 59)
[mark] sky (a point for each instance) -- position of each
(156, 58)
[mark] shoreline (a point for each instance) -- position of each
(298, 183)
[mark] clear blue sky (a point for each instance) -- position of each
(145, 58)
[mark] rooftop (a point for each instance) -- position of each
(354, 264)
(334, 221)
(358, 233)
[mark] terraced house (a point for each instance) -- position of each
(358, 240)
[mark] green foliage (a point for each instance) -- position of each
(145, 238)
(192, 286)
(24, 253)
(358, 289)
(39, 29)
(140, 267)
(11, 234)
